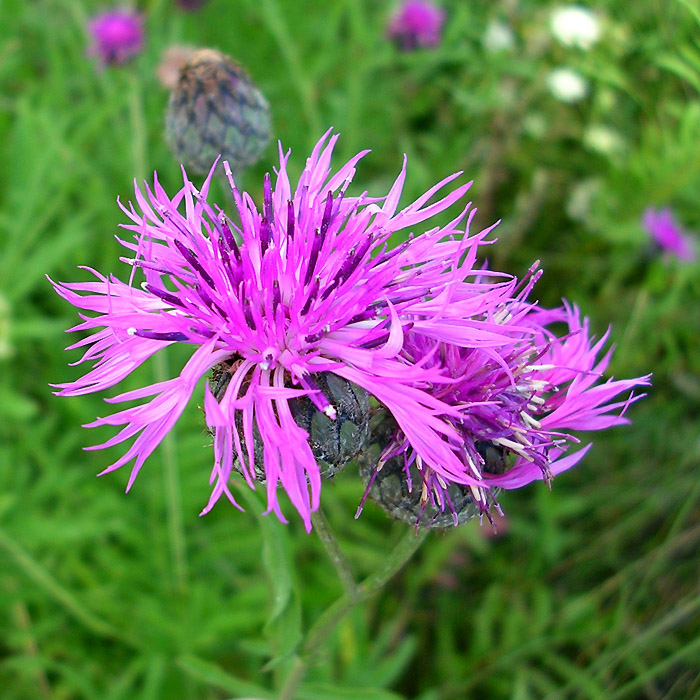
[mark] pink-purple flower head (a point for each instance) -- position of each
(517, 401)
(308, 288)
(116, 36)
(668, 236)
(416, 24)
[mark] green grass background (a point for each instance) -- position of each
(591, 591)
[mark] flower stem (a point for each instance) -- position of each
(176, 529)
(323, 627)
(403, 551)
(335, 553)
(273, 16)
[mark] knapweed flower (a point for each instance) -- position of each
(668, 236)
(567, 85)
(304, 301)
(575, 25)
(416, 24)
(517, 404)
(117, 36)
(307, 286)
(216, 109)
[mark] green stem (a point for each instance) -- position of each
(176, 528)
(294, 679)
(335, 553)
(278, 28)
(323, 627)
(138, 130)
(403, 551)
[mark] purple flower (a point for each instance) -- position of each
(516, 403)
(307, 288)
(117, 36)
(416, 24)
(661, 225)
(304, 287)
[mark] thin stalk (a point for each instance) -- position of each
(176, 527)
(278, 28)
(323, 627)
(335, 553)
(294, 679)
(403, 551)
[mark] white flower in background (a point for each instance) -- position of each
(498, 37)
(567, 85)
(603, 139)
(581, 200)
(575, 25)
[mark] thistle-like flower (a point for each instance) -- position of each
(303, 303)
(517, 403)
(305, 287)
(117, 36)
(416, 24)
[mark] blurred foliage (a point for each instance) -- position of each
(588, 592)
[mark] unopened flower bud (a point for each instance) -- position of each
(410, 493)
(215, 109)
(334, 441)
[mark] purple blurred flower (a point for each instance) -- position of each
(308, 286)
(521, 398)
(416, 24)
(661, 225)
(117, 35)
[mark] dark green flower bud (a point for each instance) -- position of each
(333, 443)
(413, 500)
(215, 109)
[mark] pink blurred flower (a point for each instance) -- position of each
(661, 225)
(416, 24)
(117, 36)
